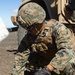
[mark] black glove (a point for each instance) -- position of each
(44, 71)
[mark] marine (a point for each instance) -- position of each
(48, 48)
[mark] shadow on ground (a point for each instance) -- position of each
(13, 51)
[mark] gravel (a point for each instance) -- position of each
(7, 49)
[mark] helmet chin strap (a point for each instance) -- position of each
(38, 31)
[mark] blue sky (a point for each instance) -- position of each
(7, 9)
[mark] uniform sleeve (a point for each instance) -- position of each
(21, 57)
(64, 45)
(23, 49)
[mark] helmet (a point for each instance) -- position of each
(30, 14)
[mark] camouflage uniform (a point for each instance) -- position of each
(54, 44)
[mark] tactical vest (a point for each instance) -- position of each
(44, 44)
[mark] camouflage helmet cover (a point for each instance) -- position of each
(31, 14)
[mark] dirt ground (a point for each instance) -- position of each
(7, 50)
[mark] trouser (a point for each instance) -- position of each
(34, 63)
(23, 67)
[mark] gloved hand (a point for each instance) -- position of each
(44, 71)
